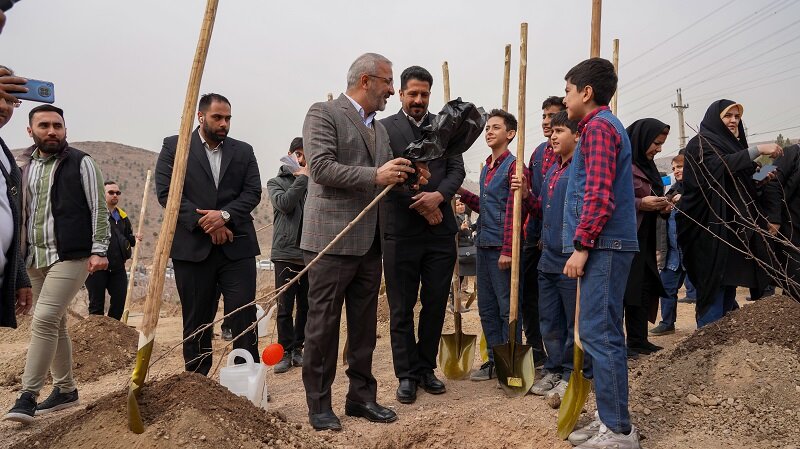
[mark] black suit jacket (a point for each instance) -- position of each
(239, 192)
(15, 276)
(446, 177)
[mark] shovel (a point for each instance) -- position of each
(456, 350)
(156, 287)
(578, 387)
(514, 361)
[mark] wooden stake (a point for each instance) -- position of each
(616, 70)
(135, 258)
(597, 8)
(164, 244)
(516, 246)
(446, 81)
(506, 76)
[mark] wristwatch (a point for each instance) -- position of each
(579, 246)
(100, 254)
(225, 215)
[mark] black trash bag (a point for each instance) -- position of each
(450, 133)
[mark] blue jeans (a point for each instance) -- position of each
(557, 321)
(724, 302)
(494, 294)
(672, 280)
(602, 290)
(691, 292)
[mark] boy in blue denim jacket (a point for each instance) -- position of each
(600, 230)
(556, 290)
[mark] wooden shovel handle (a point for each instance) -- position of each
(135, 258)
(506, 76)
(577, 333)
(516, 246)
(164, 244)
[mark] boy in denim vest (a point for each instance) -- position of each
(556, 290)
(600, 230)
(495, 207)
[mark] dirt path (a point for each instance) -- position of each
(469, 415)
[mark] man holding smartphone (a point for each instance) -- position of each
(66, 237)
(15, 287)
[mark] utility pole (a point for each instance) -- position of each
(679, 106)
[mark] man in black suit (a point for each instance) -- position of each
(419, 245)
(215, 241)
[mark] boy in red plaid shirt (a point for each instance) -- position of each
(600, 226)
(495, 207)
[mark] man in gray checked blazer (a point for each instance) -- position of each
(348, 154)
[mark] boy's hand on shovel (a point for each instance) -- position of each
(574, 266)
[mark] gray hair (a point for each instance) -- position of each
(364, 64)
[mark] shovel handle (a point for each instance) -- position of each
(578, 316)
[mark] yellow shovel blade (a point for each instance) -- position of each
(138, 377)
(456, 355)
(574, 398)
(514, 368)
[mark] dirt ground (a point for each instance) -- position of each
(470, 415)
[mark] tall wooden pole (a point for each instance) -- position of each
(597, 8)
(135, 259)
(506, 76)
(446, 81)
(155, 289)
(616, 70)
(516, 244)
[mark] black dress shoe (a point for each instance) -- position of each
(372, 411)
(326, 420)
(407, 391)
(431, 384)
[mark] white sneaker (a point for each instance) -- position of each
(558, 390)
(606, 439)
(545, 384)
(583, 434)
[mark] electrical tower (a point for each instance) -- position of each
(679, 106)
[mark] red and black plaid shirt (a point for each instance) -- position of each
(473, 201)
(600, 143)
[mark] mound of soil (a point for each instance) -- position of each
(773, 320)
(735, 380)
(184, 410)
(101, 345)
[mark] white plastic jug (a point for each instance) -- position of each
(247, 379)
(263, 324)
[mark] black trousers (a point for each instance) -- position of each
(115, 280)
(530, 301)
(409, 261)
(291, 332)
(197, 284)
(333, 281)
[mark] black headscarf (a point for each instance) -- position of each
(643, 133)
(717, 134)
(719, 192)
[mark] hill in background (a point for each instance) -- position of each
(128, 166)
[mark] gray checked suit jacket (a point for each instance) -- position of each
(343, 157)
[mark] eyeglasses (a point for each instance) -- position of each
(114, 192)
(389, 81)
(14, 104)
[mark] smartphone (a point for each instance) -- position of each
(39, 91)
(763, 172)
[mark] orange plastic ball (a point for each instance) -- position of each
(272, 354)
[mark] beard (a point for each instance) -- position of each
(49, 146)
(218, 135)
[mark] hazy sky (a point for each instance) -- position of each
(121, 68)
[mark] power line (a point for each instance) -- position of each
(773, 131)
(725, 4)
(703, 47)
